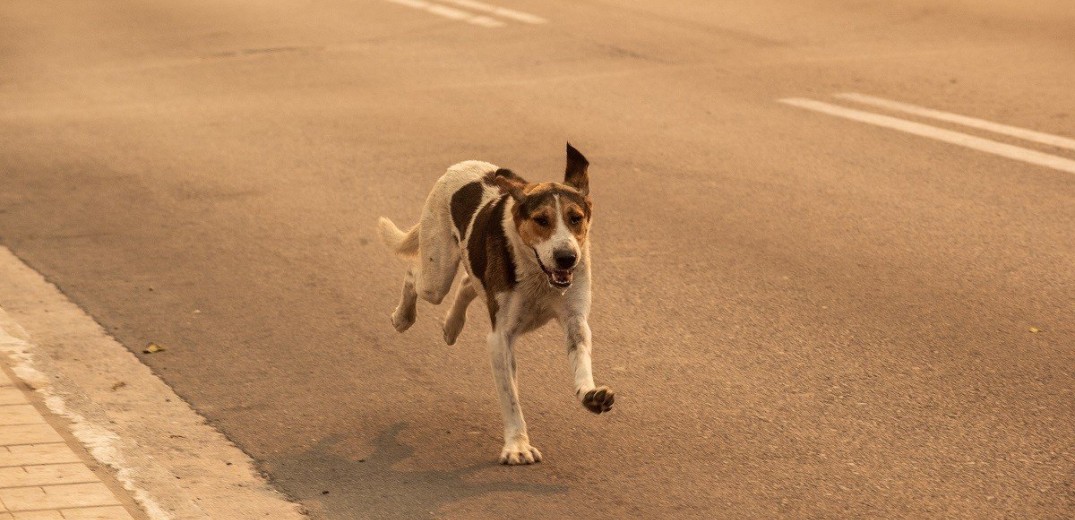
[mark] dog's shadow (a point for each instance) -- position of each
(374, 488)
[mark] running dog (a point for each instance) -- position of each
(525, 252)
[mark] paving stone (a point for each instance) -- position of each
(97, 513)
(38, 515)
(49, 474)
(57, 497)
(34, 454)
(19, 414)
(28, 434)
(11, 395)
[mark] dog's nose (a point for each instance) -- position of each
(565, 259)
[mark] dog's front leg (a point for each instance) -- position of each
(579, 344)
(517, 448)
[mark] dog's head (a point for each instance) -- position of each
(552, 218)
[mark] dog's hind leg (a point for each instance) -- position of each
(457, 315)
(435, 276)
(438, 250)
(405, 312)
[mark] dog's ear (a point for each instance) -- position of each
(575, 174)
(510, 183)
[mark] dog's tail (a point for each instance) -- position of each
(402, 244)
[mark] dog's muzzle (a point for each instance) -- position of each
(558, 278)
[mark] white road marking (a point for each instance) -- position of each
(502, 12)
(450, 13)
(485, 21)
(417, 4)
(940, 134)
(981, 124)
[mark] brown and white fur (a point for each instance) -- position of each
(525, 251)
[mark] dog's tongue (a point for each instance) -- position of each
(562, 277)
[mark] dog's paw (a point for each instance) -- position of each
(403, 319)
(599, 400)
(452, 328)
(519, 452)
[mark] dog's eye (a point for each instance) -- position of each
(575, 219)
(541, 221)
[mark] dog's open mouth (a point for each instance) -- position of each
(559, 278)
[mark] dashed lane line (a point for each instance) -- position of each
(971, 122)
(502, 12)
(462, 15)
(939, 134)
(450, 13)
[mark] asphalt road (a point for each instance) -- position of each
(802, 315)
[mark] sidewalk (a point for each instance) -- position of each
(43, 475)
